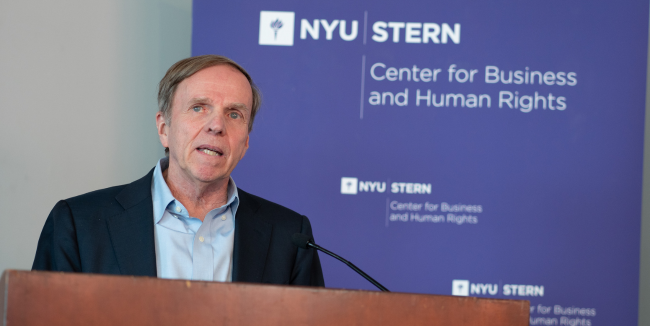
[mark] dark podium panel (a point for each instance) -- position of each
(45, 298)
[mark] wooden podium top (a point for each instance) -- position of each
(37, 298)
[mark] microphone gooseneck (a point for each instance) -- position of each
(305, 241)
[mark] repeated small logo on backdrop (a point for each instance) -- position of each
(465, 288)
(352, 186)
(276, 28)
(349, 186)
(460, 287)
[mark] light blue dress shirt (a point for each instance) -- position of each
(187, 248)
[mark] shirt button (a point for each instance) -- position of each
(201, 239)
(178, 209)
(223, 217)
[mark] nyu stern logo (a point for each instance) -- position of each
(351, 186)
(276, 28)
(465, 288)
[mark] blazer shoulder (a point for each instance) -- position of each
(123, 196)
(269, 209)
(98, 198)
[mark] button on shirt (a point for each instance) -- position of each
(187, 248)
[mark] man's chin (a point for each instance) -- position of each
(204, 174)
(211, 177)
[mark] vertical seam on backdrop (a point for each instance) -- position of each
(365, 26)
(387, 199)
(363, 81)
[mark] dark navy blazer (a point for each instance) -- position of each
(111, 231)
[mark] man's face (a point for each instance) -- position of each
(208, 131)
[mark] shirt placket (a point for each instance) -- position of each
(223, 223)
(202, 257)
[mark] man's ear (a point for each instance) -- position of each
(162, 127)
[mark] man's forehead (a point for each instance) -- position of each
(223, 71)
(226, 80)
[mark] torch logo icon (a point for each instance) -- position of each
(271, 22)
(276, 25)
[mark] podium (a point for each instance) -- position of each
(52, 298)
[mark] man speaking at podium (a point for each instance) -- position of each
(186, 219)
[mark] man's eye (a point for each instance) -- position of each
(234, 115)
(197, 108)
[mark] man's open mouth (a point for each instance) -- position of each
(211, 151)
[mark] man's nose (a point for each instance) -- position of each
(216, 124)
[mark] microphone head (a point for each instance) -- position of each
(301, 240)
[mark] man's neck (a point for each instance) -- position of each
(199, 198)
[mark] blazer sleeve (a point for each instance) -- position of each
(307, 269)
(57, 248)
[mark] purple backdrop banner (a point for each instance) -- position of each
(490, 149)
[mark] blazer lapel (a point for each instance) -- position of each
(131, 232)
(252, 240)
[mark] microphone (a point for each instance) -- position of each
(305, 241)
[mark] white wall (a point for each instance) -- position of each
(78, 90)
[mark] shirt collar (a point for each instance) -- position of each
(162, 196)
